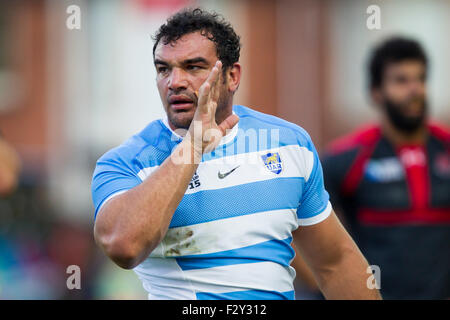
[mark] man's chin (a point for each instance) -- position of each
(181, 120)
(407, 123)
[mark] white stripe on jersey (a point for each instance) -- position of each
(240, 231)
(255, 276)
(296, 161)
(164, 279)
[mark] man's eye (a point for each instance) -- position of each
(190, 67)
(161, 69)
(401, 80)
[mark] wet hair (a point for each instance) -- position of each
(211, 25)
(393, 50)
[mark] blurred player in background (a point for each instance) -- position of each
(9, 168)
(212, 229)
(391, 181)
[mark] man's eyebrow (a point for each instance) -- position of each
(196, 60)
(157, 61)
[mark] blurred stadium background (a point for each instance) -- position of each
(67, 96)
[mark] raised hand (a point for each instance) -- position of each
(204, 132)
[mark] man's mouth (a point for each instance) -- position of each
(180, 103)
(414, 108)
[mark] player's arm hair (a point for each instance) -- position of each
(337, 264)
(130, 226)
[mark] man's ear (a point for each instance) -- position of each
(234, 77)
(376, 95)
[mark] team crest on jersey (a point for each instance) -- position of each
(272, 161)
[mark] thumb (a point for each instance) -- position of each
(228, 123)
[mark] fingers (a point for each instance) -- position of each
(208, 89)
(216, 93)
(215, 88)
(228, 123)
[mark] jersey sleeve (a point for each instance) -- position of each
(112, 175)
(314, 204)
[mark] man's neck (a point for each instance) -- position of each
(221, 115)
(398, 137)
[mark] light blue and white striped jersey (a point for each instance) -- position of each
(230, 237)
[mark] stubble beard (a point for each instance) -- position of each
(183, 119)
(400, 121)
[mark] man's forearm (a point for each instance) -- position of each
(132, 224)
(348, 279)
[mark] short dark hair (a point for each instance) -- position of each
(212, 25)
(395, 49)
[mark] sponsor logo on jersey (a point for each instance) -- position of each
(272, 161)
(384, 170)
(224, 175)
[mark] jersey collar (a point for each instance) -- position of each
(226, 139)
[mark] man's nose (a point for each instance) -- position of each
(417, 86)
(177, 79)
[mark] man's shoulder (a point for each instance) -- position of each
(439, 131)
(257, 120)
(149, 137)
(361, 137)
(340, 155)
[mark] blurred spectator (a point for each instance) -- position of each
(35, 246)
(391, 180)
(9, 168)
(26, 272)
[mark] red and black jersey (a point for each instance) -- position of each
(396, 205)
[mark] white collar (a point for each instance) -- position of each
(225, 139)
